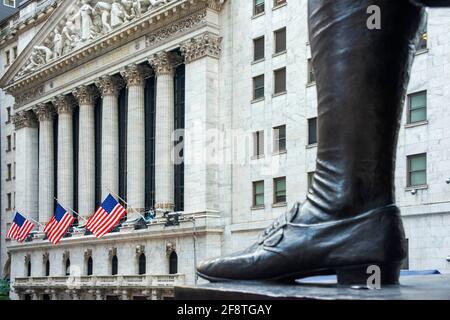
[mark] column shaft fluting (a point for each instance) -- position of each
(27, 171)
(109, 87)
(64, 106)
(135, 77)
(45, 114)
(86, 96)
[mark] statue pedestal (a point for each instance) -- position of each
(433, 287)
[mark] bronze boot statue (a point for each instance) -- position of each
(349, 221)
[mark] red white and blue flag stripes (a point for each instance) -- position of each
(58, 225)
(106, 217)
(20, 228)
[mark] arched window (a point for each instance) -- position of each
(142, 264)
(29, 268)
(47, 268)
(90, 266)
(114, 266)
(173, 263)
(67, 267)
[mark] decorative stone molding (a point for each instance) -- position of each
(27, 258)
(175, 29)
(63, 104)
(65, 256)
(112, 252)
(165, 206)
(45, 257)
(205, 45)
(164, 62)
(140, 250)
(44, 111)
(24, 119)
(170, 247)
(85, 95)
(87, 253)
(109, 85)
(135, 74)
(216, 4)
(21, 98)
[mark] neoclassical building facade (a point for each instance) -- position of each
(200, 111)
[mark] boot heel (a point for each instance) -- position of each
(353, 275)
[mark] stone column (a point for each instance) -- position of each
(45, 114)
(135, 77)
(202, 111)
(109, 87)
(27, 159)
(64, 107)
(86, 96)
(163, 65)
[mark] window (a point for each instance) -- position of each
(280, 81)
(279, 190)
(9, 172)
(279, 139)
(258, 7)
(29, 268)
(423, 36)
(280, 40)
(8, 143)
(47, 268)
(312, 131)
(15, 53)
(14, 171)
(173, 263)
(114, 266)
(417, 107)
(142, 264)
(8, 201)
(311, 76)
(258, 144)
(258, 87)
(258, 49)
(67, 268)
(8, 114)
(14, 141)
(90, 267)
(10, 3)
(310, 181)
(258, 193)
(8, 57)
(417, 170)
(277, 3)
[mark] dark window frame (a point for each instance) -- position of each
(410, 110)
(276, 86)
(313, 138)
(279, 141)
(255, 47)
(259, 91)
(276, 38)
(259, 8)
(277, 198)
(410, 172)
(255, 194)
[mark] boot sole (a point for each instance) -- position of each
(346, 275)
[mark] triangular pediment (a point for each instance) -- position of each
(74, 25)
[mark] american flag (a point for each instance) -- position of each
(58, 225)
(20, 228)
(106, 217)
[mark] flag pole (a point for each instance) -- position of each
(70, 209)
(118, 197)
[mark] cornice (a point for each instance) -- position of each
(173, 11)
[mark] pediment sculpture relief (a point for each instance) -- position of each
(83, 23)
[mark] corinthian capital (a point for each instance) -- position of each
(85, 95)
(63, 104)
(205, 45)
(109, 85)
(164, 63)
(24, 119)
(135, 74)
(44, 111)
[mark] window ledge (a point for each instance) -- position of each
(311, 146)
(258, 61)
(255, 16)
(279, 6)
(310, 84)
(258, 100)
(279, 205)
(261, 207)
(422, 51)
(416, 124)
(258, 157)
(420, 187)
(278, 153)
(277, 54)
(279, 94)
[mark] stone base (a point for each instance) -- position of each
(433, 287)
